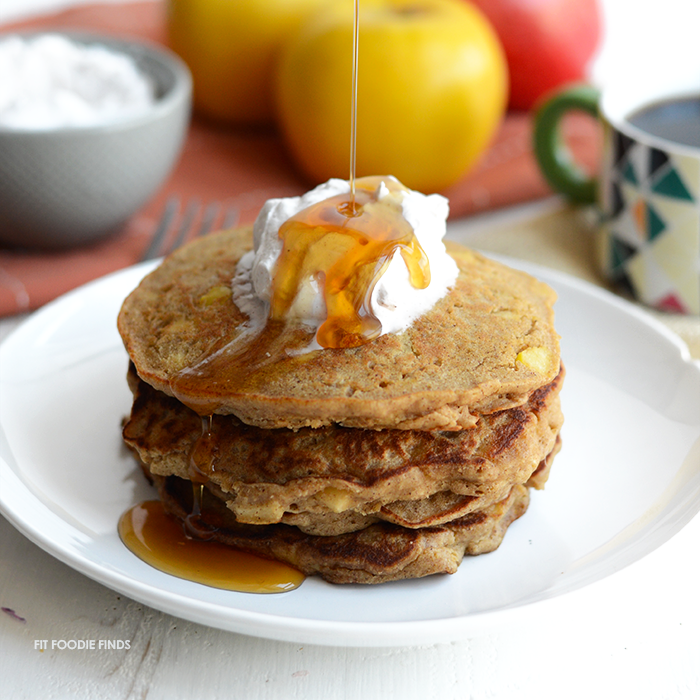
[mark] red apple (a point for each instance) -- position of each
(548, 43)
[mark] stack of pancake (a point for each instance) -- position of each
(387, 461)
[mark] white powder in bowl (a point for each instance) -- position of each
(49, 82)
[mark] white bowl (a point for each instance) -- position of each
(69, 186)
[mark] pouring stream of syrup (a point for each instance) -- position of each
(353, 101)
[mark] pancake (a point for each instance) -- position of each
(485, 347)
(331, 480)
(439, 509)
(376, 463)
(379, 553)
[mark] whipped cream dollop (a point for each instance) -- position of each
(395, 302)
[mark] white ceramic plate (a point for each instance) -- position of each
(627, 479)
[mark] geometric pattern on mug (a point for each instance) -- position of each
(652, 224)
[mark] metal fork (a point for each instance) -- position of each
(195, 220)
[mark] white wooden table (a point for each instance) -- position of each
(635, 634)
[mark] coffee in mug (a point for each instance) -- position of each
(676, 119)
(647, 190)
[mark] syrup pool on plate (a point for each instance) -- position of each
(160, 540)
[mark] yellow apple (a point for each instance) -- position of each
(231, 47)
(432, 89)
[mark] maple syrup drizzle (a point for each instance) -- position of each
(345, 243)
(353, 101)
(201, 464)
(346, 247)
(159, 539)
(203, 453)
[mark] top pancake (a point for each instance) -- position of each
(484, 347)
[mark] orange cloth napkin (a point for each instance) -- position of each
(243, 167)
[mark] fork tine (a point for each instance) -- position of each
(210, 215)
(231, 218)
(171, 207)
(186, 224)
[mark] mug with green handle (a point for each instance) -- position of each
(647, 190)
